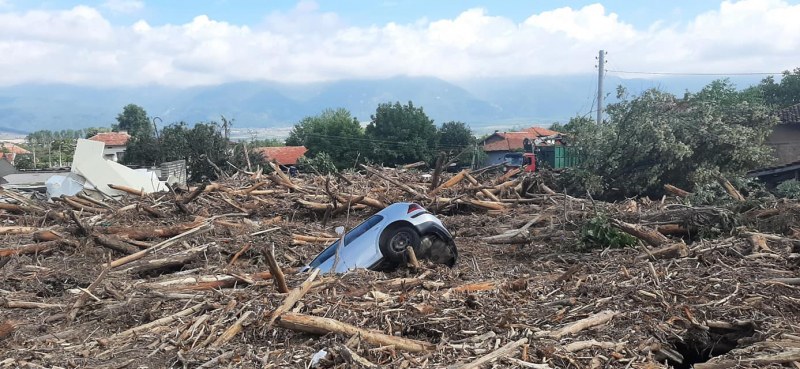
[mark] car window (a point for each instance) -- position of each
(348, 238)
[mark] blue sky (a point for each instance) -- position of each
(366, 12)
(182, 42)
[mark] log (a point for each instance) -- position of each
(81, 207)
(315, 205)
(42, 247)
(507, 175)
(321, 326)
(149, 210)
(148, 267)
(672, 229)
(275, 269)
(165, 320)
(789, 281)
(7, 328)
(582, 345)
(115, 244)
(17, 230)
(592, 321)
(140, 234)
(449, 183)
(674, 251)
(88, 198)
(12, 304)
(732, 191)
(365, 200)
(646, 234)
(413, 165)
(485, 192)
(486, 204)
(243, 321)
(676, 191)
(194, 194)
(785, 357)
(437, 172)
(211, 282)
(140, 254)
(293, 297)
(412, 258)
(507, 349)
(47, 235)
(126, 189)
(313, 239)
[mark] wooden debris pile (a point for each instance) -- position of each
(207, 278)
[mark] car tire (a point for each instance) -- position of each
(396, 240)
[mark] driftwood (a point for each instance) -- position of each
(732, 191)
(676, 191)
(293, 297)
(126, 189)
(319, 325)
(275, 269)
(401, 186)
(592, 321)
(646, 234)
(37, 248)
(507, 349)
(114, 243)
(676, 250)
(788, 356)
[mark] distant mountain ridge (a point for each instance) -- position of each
(492, 103)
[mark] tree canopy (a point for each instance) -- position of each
(657, 138)
(784, 93)
(454, 136)
(401, 134)
(334, 132)
(134, 120)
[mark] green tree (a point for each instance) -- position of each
(335, 132)
(91, 131)
(134, 120)
(656, 138)
(401, 134)
(783, 94)
(454, 136)
(199, 145)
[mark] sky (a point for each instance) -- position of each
(195, 42)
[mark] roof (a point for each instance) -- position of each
(112, 138)
(509, 141)
(790, 115)
(12, 148)
(284, 155)
(10, 156)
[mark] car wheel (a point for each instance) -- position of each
(396, 242)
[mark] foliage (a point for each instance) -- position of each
(401, 134)
(24, 161)
(266, 142)
(134, 120)
(789, 189)
(657, 138)
(322, 163)
(197, 145)
(334, 132)
(92, 131)
(598, 233)
(783, 94)
(453, 137)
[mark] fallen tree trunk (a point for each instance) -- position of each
(149, 234)
(592, 321)
(676, 191)
(646, 234)
(674, 251)
(113, 243)
(40, 248)
(321, 326)
(507, 349)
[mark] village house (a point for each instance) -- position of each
(785, 143)
(498, 144)
(9, 151)
(116, 143)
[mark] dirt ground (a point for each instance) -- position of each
(528, 300)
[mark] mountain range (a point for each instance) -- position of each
(485, 104)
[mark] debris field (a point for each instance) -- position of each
(207, 277)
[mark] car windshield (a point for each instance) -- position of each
(348, 239)
(515, 160)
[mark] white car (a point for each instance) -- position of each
(380, 242)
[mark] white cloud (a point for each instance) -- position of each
(304, 44)
(123, 6)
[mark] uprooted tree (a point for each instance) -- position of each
(657, 138)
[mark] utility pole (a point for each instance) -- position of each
(601, 68)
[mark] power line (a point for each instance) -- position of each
(347, 138)
(695, 74)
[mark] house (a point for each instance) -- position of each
(115, 142)
(498, 144)
(785, 137)
(785, 143)
(9, 151)
(284, 155)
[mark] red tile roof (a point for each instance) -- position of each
(509, 141)
(12, 148)
(284, 155)
(112, 138)
(10, 156)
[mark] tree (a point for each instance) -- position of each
(199, 145)
(656, 138)
(134, 120)
(401, 134)
(454, 137)
(92, 131)
(334, 132)
(783, 94)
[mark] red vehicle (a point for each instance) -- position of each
(526, 162)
